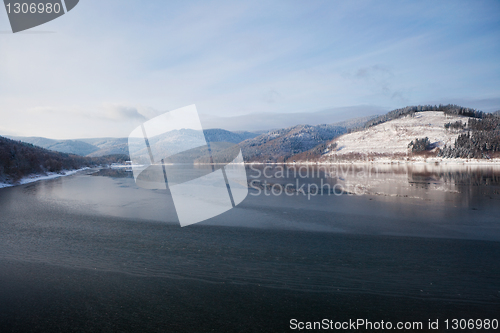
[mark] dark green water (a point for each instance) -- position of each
(96, 253)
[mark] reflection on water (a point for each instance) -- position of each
(114, 173)
(464, 186)
(425, 181)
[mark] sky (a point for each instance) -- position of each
(107, 66)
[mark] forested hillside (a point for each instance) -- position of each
(482, 139)
(19, 159)
(220, 135)
(280, 145)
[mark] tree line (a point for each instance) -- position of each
(457, 125)
(449, 109)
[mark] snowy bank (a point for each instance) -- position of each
(49, 175)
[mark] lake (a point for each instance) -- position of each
(93, 252)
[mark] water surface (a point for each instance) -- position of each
(95, 252)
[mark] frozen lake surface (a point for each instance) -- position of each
(95, 252)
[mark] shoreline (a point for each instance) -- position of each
(38, 177)
(427, 161)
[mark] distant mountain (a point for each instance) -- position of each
(259, 122)
(19, 159)
(98, 147)
(107, 146)
(355, 123)
(76, 147)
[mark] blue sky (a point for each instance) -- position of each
(108, 65)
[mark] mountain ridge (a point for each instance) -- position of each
(309, 142)
(98, 147)
(279, 145)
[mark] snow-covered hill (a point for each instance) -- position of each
(393, 137)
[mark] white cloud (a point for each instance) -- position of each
(119, 112)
